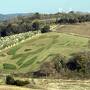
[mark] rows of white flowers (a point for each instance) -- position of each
(9, 41)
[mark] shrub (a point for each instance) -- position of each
(10, 81)
(45, 29)
(59, 62)
(21, 83)
(35, 25)
(27, 50)
(79, 61)
(2, 55)
(46, 69)
(73, 65)
(51, 67)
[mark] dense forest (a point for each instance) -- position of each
(37, 21)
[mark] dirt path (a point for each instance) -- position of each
(64, 84)
(54, 85)
(2, 87)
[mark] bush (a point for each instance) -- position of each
(10, 81)
(73, 65)
(35, 25)
(45, 29)
(21, 83)
(79, 61)
(59, 62)
(51, 67)
(46, 69)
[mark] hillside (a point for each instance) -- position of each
(28, 56)
(83, 29)
(10, 16)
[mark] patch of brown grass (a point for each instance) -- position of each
(81, 29)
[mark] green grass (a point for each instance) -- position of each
(22, 59)
(9, 66)
(12, 51)
(16, 56)
(42, 48)
(29, 62)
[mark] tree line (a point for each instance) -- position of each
(38, 21)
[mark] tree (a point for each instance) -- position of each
(35, 25)
(37, 15)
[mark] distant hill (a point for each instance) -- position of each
(10, 16)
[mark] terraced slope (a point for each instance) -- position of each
(29, 55)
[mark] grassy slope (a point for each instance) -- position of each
(33, 52)
(81, 29)
(29, 55)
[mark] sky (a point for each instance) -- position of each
(43, 6)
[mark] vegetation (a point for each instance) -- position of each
(51, 67)
(51, 55)
(80, 61)
(35, 26)
(59, 62)
(81, 29)
(41, 48)
(78, 65)
(37, 21)
(14, 39)
(45, 29)
(9, 66)
(10, 81)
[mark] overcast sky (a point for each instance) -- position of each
(43, 6)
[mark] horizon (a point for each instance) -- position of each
(47, 6)
(42, 12)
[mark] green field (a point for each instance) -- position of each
(28, 56)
